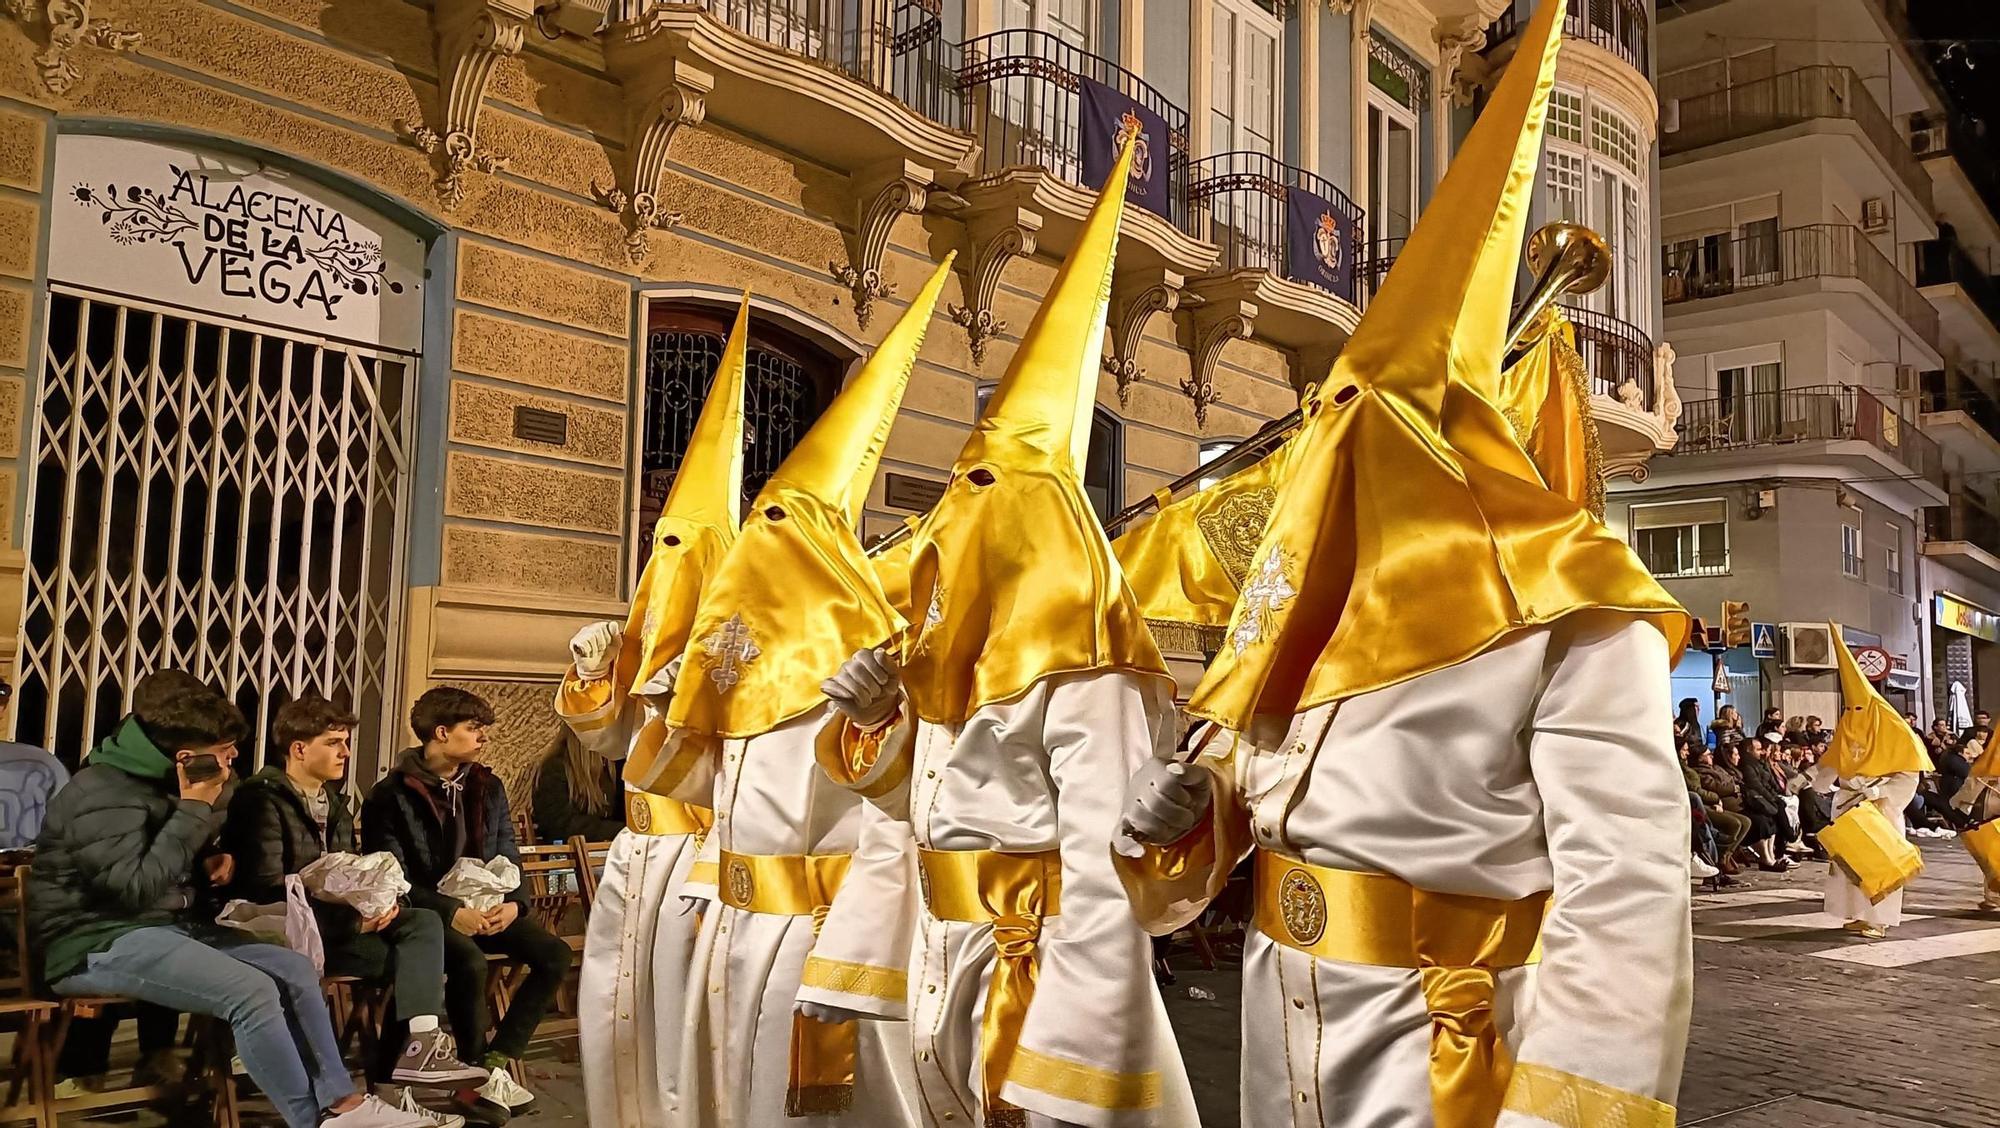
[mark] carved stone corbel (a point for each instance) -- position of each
(897, 188)
(997, 238)
(1136, 295)
(69, 23)
(662, 94)
(472, 35)
(1212, 325)
(1461, 68)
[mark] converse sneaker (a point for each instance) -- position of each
(501, 1089)
(431, 1058)
(430, 1116)
(373, 1113)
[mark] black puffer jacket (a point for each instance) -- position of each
(1762, 793)
(119, 850)
(271, 833)
(411, 813)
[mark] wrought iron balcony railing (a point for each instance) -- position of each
(1941, 262)
(1376, 259)
(1716, 266)
(1615, 353)
(897, 49)
(1709, 117)
(1023, 91)
(1240, 200)
(1825, 413)
(1619, 26)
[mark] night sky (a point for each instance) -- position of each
(1964, 46)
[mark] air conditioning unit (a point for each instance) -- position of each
(1670, 116)
(1875, 215)
(1928, 137)
(1808, 646)
(1909, 381)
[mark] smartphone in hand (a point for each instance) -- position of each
(202, 768)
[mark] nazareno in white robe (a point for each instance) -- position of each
(1542, 765)
(1044, 771)
(1891, 795)
(632, 985)
(769, 798)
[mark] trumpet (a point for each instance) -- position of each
(1564, 258)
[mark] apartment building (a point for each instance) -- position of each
(1827, 236)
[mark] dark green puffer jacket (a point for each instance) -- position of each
(117, 852)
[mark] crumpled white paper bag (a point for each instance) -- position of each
(370, 884)
(289, 923)
(480, 886)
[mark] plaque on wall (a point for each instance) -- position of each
(901, 491)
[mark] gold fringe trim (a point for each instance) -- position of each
(1186, 638)
(819, 1100)
(1006, 1118)
(1570, 363)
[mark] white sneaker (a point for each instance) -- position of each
(429, 1116)
(1701, 870)
(501, 1089)
(373, 1113)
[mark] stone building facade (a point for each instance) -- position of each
(345, 344)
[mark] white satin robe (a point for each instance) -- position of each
(769, 798)
(1044, 771)
(638, 943)
(1543, 764)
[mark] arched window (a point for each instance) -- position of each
(1595, 174)
(1103, 480)
(789, 381)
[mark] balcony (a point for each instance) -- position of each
(848, 86)
(1376, 259)
(1619, 357)
(1241, 202)
(1774, 432)
(1805, 97)
(1964, 535)
(1966, 296)
(1964, 417)
(1821, 257)
(1619, 26)
(1023, 94)
(1940, 139)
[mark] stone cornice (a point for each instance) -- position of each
(471, 36)
(881, 194)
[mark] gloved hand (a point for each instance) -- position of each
(823, 1012)
(1167, 799)
(865, 687)
(593, 649)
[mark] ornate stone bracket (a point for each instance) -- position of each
(1461, 69)
(898, 188)
(662, 94)
(1136, 295)
(1212, 325)
(472, 35)
(69, 24)
(997, 237)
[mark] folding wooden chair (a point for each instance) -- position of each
(589, 858)
(31, 1090)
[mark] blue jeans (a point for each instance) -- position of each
(276, 1012)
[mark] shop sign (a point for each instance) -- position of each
(225, 234)
(1956, 614)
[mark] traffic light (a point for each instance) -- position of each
(1697, 635)
(1735, 623)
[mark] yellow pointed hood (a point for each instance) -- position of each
(796, 596)
(695, 528)
(1871, 738)
(1014, 574)
(1406, 479)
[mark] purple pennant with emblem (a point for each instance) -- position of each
(1320, 242)
(1108, 118)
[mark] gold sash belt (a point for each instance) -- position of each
(646, 813)
(1455, 943)
(822, 1059)
(1014, 893)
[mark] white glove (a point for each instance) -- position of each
(1167, 799)
(823, 1012)
(866, 687)
(593, 649)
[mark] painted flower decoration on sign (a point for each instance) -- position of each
(357, 266)
(138, 215)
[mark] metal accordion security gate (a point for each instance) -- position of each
(217, 496)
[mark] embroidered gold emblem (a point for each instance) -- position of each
(1235, 528)
(740, 884)
(638, 814)
(729, 649)
(1302, 906)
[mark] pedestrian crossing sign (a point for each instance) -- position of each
(1763, 640)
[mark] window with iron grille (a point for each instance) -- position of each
(788, 382)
